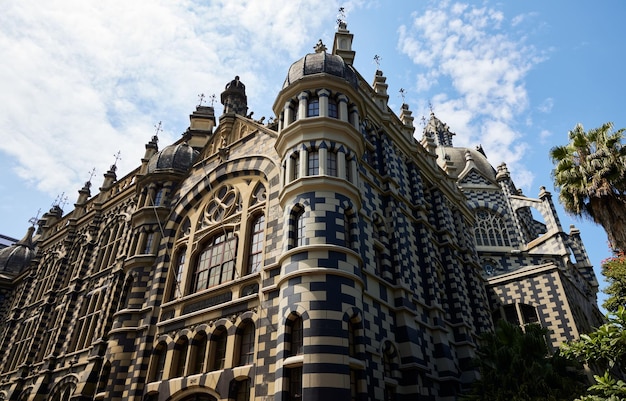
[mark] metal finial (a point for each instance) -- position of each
(91, 174)
(63, 200)
(60, 200)
(402, 94)
(430, 106)
(200, 99)
(118, 155)
(212, 97)
(34, 220)
(377, 60)
(158, 128)
(341, 18)
(423, 121)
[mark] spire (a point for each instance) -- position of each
(234, 98)
(342, 45)
(438, 131)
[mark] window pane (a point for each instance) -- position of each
(331, 164)
(256, 245)
(314, 163)
(314, 107)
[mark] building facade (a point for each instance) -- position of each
(327, 253)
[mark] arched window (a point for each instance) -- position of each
(296, 337)
(180, 357)
(387, 372)
(490, 229)
(109, 246)
(313, 166)
(257, 236)
(85, 328)
(198, 353)
(240, 390)
(296, 227)
(313, 109)
(176, 289)
(300, 233)
(246, 343)
(104, 377)
(158, 362)
(216, 264)
(218, 348)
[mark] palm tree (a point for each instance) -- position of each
(590, 175)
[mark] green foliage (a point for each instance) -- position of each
(515, 365)
(605, 347)
(590, 175)
(614, 270)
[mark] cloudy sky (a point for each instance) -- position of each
(81, 81)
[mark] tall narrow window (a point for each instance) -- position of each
(332, 108)
(313, 109)
(300, 233)
(147, 249)
(180, 355)
(176, 290)
(199, 348)
(158, 197)
(104, 377)
(313, 163)
(295, 165)
(296, 337)
(85, 328)
(216, 262)
(158, 366)
(219, 349)
(256, 245)
(246, 344)
(331, 163)
(295, 383)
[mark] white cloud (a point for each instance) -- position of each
(464, 51)
(546, 106)
(91, 78)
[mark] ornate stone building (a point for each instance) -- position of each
(327, 254)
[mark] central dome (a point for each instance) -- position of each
(320, 63)
(173, 158)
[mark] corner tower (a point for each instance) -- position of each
(321, 284)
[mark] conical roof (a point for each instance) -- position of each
(14, 258)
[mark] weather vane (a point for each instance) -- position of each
(430, 106)
(60, 200)
(200, 99)
(377, 59)
(423, 121)
(118, 156)
(157, 128)
(91, 175)
(341, 17)
(402, 94)
(34, 220)
(212, 97)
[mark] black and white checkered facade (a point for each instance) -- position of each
(325, 255)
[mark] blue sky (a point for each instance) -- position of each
(82, 80)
